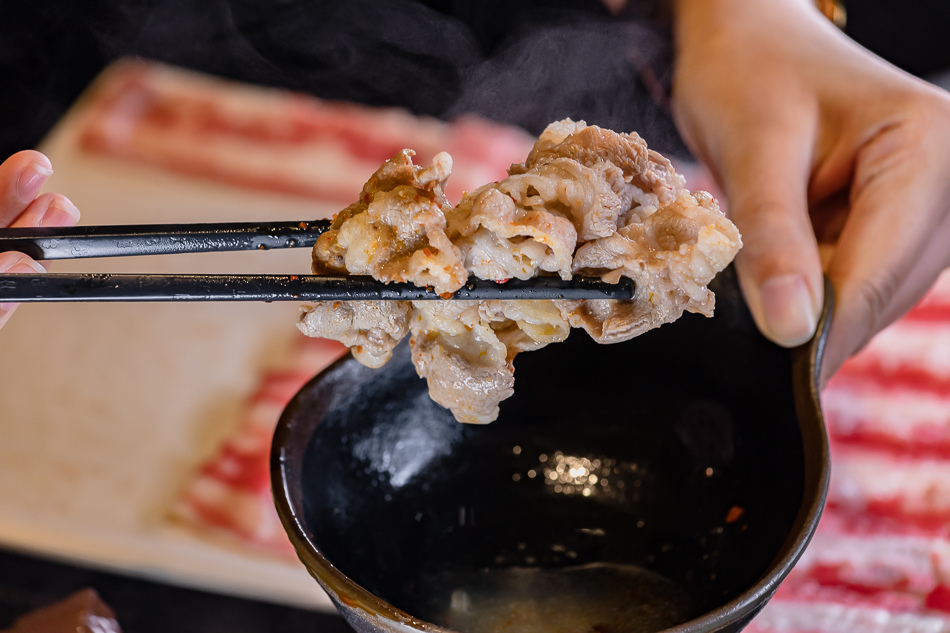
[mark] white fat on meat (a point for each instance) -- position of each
(586, 201)
(465, 349)
(371, 329)
(501, 236)
(462, 359)
(396, 232)
(672, 253)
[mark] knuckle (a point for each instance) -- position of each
(759, 210)
(9, 259)
(926, 115)
(876, 296)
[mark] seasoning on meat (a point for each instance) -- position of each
(396, 231)
(586, 201)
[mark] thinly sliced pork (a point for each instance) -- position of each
(586, 201)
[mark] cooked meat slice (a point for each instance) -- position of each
(671, 255)
(502, 236)
(592, 146)
(462, 359)
(396, 232)
(468, 386)
(465, 349)
(525, 325)
(371, 329)
(586, 201)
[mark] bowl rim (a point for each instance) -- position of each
(806, 376)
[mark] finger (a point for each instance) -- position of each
(12, 262)
(851, 327)
(6, 311)
(21, 177)
(49, 209)
(779, 266)
(828, 216)
(933, 258)
(893, 245)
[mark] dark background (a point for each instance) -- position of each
(147, 607)
(522, 62)
(526, 62)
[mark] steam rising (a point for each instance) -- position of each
(580, 66)
(510, 61)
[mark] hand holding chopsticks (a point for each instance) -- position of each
(22, 175)
(116, 241)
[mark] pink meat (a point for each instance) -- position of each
(829, 616)
(880, 560)
(910, 352)
(889, 416)
(273, 140)
(907, 488)
(870, 558)
(230, 494)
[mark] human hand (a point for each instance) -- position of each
(830, 159)
(21, 177)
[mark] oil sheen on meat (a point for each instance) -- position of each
(586, 201)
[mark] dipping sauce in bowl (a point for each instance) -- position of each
(667, 483)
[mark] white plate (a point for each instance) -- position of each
(106, 409)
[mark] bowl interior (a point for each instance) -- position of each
(656, 480)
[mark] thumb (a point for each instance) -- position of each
(779, 268)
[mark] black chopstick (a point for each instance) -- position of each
(19, 288)
(50, 243)
(77, 242)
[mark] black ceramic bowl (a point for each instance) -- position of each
(666, 483)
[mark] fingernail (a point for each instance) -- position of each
(30, 181)
(26, 266)
(61, 212)
(787, 310)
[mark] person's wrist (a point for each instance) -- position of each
(697, 18)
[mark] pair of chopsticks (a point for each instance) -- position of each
(48, 243)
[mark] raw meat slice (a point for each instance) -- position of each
(273, 140)
(230, 495)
